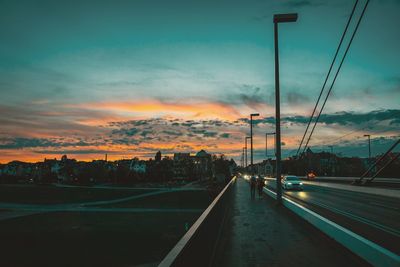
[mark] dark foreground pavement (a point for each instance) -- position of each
(259, 233)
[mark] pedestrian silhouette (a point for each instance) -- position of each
(260, 185)
(253, 186)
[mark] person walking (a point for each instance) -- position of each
(260, 185)
(253, 183)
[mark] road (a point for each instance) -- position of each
(374, 217)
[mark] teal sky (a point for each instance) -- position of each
(68, 70)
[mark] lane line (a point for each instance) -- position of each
(383, 205)
(360, 219)
(375, 224)
(384, 192)
(366, 249)
(369, 222)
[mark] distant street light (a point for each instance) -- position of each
(266, 144)
(251, 140)
(331, 160)
(369, 145)
(243, 157)
(245, 148)
(279, 18)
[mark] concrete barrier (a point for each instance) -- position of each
(369, 251)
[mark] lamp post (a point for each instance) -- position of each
(279, 18)
(369, 148)
(242, 157)
(245, 148)
(266, 144)
(369, 145)
(331, 160)
(251, 140)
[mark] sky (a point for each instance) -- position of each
(129, 78)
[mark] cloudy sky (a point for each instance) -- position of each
(129, 78)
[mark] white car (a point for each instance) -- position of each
(291, 182)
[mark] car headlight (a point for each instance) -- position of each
(301, 183)
(289, 183)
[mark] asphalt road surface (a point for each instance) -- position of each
(374, 217)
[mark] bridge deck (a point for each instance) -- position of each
(259, 233)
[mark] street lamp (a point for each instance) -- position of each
(245, 148)
(266, 144)
(279, 18)
(251, 140)
(369, 145)
(331, 160)
(243, 157)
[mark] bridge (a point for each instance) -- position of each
(324, 225)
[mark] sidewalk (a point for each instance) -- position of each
(259, 233)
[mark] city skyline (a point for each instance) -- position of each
(85, 80)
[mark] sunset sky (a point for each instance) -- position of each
(129, 78)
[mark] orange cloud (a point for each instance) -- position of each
(190, 109)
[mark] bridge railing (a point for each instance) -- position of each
(199, 245)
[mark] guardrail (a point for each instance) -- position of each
(350, 179)
(198, 246)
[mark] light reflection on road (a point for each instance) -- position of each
(302, 195)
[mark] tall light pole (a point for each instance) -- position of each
(245, 148)
(331, 160)
(279, 18)
(369, 145)
(251, 140)
(266, 144)
(243, 157)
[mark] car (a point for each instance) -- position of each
(291, 182)
(311, 175)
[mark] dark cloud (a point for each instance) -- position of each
(224, 135)
(126, 132)
(295, 98)
(210, 134)
(266, 120)
(145, 133)
(174, 133)
(198, 131)
(249, 95)
(301, 3)
(189, 123)
(345, 118)
(125, 141)
(341, 118)
(358, 146)
(18, 143)
(135, 123)
(73, 151)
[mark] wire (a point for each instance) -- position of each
(337, 72)
(327, 76)
(337, 139)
